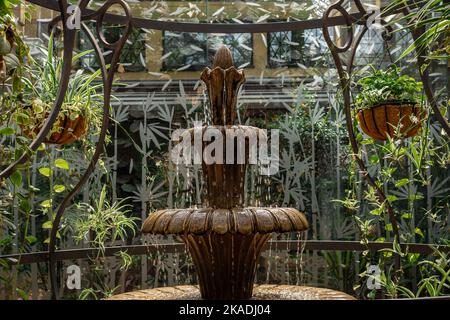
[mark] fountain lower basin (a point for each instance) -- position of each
(225, 244)
(260, 292)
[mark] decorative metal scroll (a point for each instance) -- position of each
(107, 79)
(101, 16)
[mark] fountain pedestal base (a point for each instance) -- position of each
(225, 263)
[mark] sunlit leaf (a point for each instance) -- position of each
(59, 188)
(46, 203)
(62, 164)
(47, 225)
(45, 171)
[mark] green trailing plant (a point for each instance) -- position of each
(434, 274)
(101, 224)
(407, 173)
(14, 61)
(382, 86)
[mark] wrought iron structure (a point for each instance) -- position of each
(101, 16)
(132, 57)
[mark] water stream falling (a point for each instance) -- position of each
(302, 237)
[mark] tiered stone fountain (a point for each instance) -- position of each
(224, 238)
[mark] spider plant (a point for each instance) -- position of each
(82, 98)
(102, 222)
(432, 15)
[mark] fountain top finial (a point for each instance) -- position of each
(223, 82)
(223, 58)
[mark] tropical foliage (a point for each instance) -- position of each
(383, 86)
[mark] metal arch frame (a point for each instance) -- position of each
(107, 79)
(345, 74)
(101, 16)
(344, 70)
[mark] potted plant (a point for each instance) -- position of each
(81, 106)
(389, 104)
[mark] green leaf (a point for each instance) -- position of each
(401, 182)
(392, 198)
(367, 141)
(374, 159)
(45, 171)
(388, 227)
(415, 197)
(22, 118)
(62, 164)
(6, 131)
(419, 232)
(31, 240)
(377, 211)
(16, 178)
(413, 257)
(22, 294)
(59, 188)
(407, 216)
(46, 203)
(25, 205)
(47, 225)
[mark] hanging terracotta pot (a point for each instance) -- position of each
(69, 130)
(388, 119)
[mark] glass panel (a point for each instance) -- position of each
(371, 48)
(295, 48)
(194, 51)
(132, 57)
(214, 11)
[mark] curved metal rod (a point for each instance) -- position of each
(345, 81)
(207, 27)
(424, 75)
(69, 42)
(107, 78)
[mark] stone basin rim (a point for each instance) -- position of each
(260, 292)
(245, 220)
